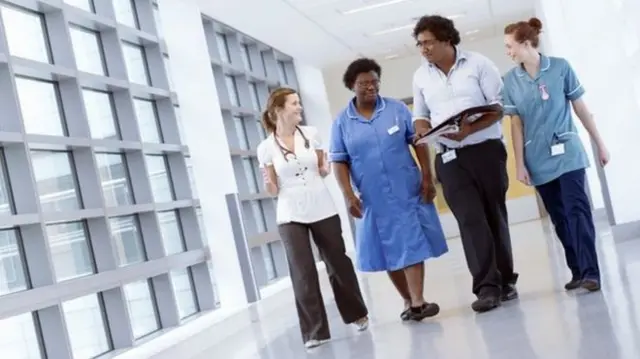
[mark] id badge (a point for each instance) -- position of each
(448, 156)
(557, 150)
(393, 129)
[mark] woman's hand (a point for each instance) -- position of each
(523, 175)
(323, 163)
(270, 180)
(603, 155)
(428, 189)
(355, 205)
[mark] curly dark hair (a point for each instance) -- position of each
(358, 67)
(441, 27)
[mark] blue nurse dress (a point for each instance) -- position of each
(398, 229)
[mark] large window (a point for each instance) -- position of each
(88, 50)
(232, 90)
(183, 289)
(147, 120)
(142, 308)
(114, 178)
(86, 5)
(100, 114)
(171, 232)
(126, 236)
(12, 273)
(86, 326)
(19, 338)
(70, 250)
(223, 47)
(160, 182)
(5, 193)
(40, 107)
(136, 61)
(25, 33)
(125, 12)
(55, 179)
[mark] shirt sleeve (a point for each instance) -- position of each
(265, 155)
(573, 89)
(420, 109)
(510, 108)
(407, 119)
(490, 82)
(337, 149)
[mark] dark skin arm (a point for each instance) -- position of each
(467, 128)
(341, 169)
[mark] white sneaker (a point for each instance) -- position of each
(362, 324)
(313, 343)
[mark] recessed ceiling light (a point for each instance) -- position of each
(372, 6)
(391, 57)
(471, 32)
(393, 29)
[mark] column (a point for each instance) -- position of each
(207, 141)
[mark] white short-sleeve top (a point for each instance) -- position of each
(303, 196)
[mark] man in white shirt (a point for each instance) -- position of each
(470, 164)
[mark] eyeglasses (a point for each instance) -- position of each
(367, 84)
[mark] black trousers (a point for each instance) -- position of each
(312, 314)
(475, 186)
(566, 201)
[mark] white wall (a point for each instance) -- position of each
(313, 94)
(397, 74)
(606, 58)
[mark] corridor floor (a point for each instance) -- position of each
(546, 322)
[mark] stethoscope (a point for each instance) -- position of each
(285, 151)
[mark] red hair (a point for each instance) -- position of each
(525, 30)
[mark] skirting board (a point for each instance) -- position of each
(521, 209)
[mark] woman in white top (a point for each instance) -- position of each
(294, 167)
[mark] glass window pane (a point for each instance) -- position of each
(142, 308)
(100, 114)
(183, 290)
(253, 92)
(55, 181)
(241, 132)
(136, 63)
(6, 207)
(19, 339)
(183, 135)
(264, 63)
(127, 239)
(223, 47)
(114, 179)
(203, 229)
(25, 34)
(147, 120)
(125, 12)
(160, 182)
(158, 21)
(261, 131)
(232, 89)
(12, 274)
(86, 326)
(282, 72)
(171, 232)
(70, 250)
(247, 165)
(86, 5)
(269, 264)
(192, 179)
(246, 57)
(87, 48)
(39, 104)
(167, 70)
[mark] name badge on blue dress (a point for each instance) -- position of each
(393, 129)
(557, 150)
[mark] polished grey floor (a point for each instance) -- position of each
(545, 322)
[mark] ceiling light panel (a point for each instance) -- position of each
(376, 5)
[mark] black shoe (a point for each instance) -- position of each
(573, 284)
(509, 292)
(424, 311)
(485, 304)
(591, 285)
(406, 315)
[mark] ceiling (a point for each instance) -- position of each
(324, 32)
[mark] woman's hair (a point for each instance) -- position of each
(525, 30)
(441, 27)
(277, 99)
(359, 66)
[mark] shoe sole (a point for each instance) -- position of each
(486, 309)
(432, 311)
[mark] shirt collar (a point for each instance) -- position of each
(352, 111)
(545, 63)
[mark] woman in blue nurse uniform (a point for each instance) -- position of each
(397, 226)
(539, 94)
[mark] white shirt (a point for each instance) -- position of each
(303, 196)
(472, 81)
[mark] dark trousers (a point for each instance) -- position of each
(327, 234)
(566, 201)
(475, 186)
